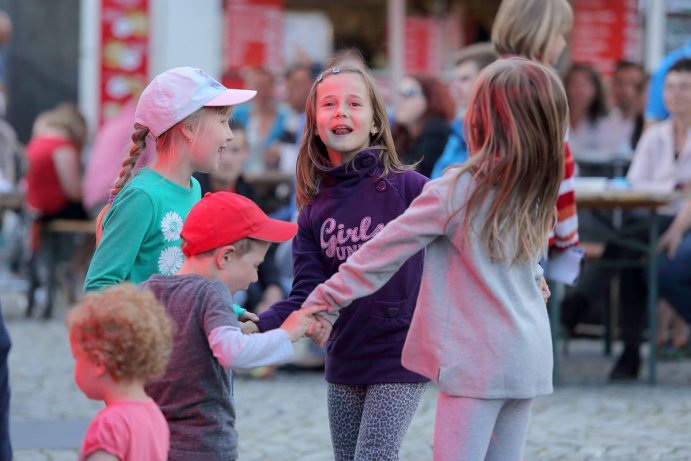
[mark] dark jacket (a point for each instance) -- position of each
(428, 146)
(354, 203)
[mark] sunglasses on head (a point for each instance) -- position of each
(409, 92)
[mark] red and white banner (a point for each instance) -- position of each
(604, 32)
(124, 64)
(422, 45)
(254, 32)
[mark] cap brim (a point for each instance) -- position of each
(276, 231)
(231, 97)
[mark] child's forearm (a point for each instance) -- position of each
(233, 349)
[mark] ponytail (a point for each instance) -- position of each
(138, 146)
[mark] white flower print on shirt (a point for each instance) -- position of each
(171, 226)
(170, 261)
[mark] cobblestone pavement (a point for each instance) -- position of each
(285, 418)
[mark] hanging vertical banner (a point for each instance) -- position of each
(604, 32)
(254, 34)
(422, 45)
(124, 53)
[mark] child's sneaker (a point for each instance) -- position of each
(266, 372)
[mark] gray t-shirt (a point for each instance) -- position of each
(195, 392)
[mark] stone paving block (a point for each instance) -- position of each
(45, 455)
(586, 418)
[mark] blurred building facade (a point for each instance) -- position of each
(81, 50)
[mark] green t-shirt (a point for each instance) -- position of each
(141, 231)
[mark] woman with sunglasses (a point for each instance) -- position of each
(423, 110)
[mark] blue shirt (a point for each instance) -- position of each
(656, 110)
(455, 151)
(241, 115)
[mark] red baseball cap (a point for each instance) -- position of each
(222, 218)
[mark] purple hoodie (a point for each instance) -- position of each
(354, 203)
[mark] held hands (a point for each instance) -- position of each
(322, 334)
(303, 322)
(299, 323)
(249, 327)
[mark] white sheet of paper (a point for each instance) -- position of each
(565, 266)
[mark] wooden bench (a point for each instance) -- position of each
(50, 233)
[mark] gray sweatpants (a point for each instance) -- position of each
(476, 429)
(368, 422)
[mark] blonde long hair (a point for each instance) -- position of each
(528, 28)
(515, 127)
(313, 158)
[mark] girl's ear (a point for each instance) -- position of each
(374, 130)
(187, 131)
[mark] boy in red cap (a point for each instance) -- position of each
(225, 238)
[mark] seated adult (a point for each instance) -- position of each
(656, 109)
(661, 163)
(587, 111)
(625, 119)
(53, 179)
(422, 114)
(674, 264)
(263, 120)
(53, 188)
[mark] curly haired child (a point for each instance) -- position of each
(121, 338)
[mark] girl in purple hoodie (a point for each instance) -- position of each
(350, 184)
(480, 328)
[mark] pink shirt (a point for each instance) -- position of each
(129, 430)
(110, 146)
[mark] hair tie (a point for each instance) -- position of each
(333, 70)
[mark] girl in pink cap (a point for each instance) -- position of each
(185, 113)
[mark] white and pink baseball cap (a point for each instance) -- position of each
(178, 93)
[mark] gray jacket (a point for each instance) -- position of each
(480, 328)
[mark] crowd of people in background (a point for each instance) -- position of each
(278, 144)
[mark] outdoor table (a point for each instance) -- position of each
(12, 200)
(624, 199)
(595, 163)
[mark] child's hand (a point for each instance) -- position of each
(249, 316)
(320, 335)
(296, 325)
(249, 327)
(320, 330)
(300, 322)
(545, 289)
